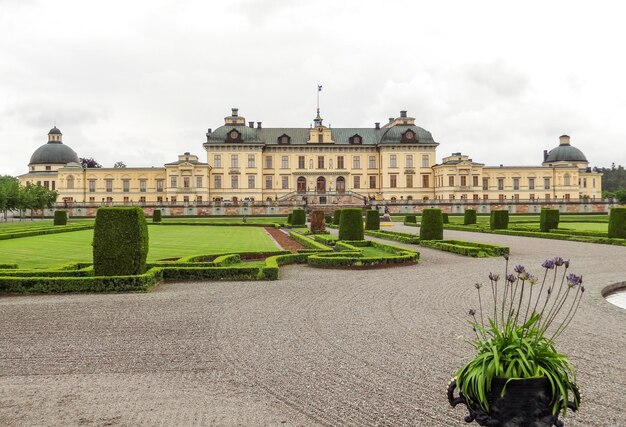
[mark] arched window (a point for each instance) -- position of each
(70, 182)
(341, 184)
(301, 186)
(321, 184)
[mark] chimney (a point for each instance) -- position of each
(258, 125)
(235, 112)
(545, 155)
(403, 113)
(391, 119)
(564, 140)
(377, 125)
(208, 131)
(251, 124)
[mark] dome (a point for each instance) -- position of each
(54, 131)
(565, 153)
(53, 153)
(394, 134)
(220, 134)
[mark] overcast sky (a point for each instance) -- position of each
(141, 81)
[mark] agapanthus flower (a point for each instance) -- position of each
(548, 264)
(558, 261)
(494, 277)
(511, 278)
(519, 269)
(566, 263)
(532, 280)
(574, 280)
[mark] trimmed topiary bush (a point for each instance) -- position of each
(156, 215)
(549, 220)
(444, 217)
(499, 220)
(431, 227)
(298, 217)
(469, 217)
(351, 225)
(289, 217)
(328, 219)
(317, 222)
(336, 217)
(60, 218)
(617, 223)
(372, 220)
(120, 242)
(411, 219)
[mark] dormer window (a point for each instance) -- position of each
(233, 136)
(408, 136)
(284, 139)
(356, 139)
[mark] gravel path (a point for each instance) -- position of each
(317, 347)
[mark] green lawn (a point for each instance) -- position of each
(586, 226)
(165, 242)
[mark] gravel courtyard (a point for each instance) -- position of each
(317, 347)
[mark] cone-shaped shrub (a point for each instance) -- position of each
(431, 227)
(549, 219)
(469, 217)
(499, 220)
(120, 242)
(289, 217)
(444, 217)
(410, 219)
(317, 221)
(60, 218)
(617, 223)
(372, 220)
(156, 215)
(351, 225)
(298, 217)
(336, 216)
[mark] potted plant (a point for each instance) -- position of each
(517, 377)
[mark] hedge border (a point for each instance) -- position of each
(462, 247)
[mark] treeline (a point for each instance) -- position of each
(614, 183)
(16, 197)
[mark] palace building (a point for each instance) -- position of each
(318, 165)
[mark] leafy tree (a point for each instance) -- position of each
(119, 165)
(88, 163)
(9, 194)
(614, 178)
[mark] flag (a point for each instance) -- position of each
(319, 88)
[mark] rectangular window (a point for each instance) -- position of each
(234, 161)
(357, 182)
(485, 196)
(463, 181)
(186, 183)
(142, 200)
(516, 197)
(356, 162)
(501, 197)
(532, 196)
(451, 181)
(409, 160)
(584, 182)
(125, 200)
(485, 183)
(547, 197)
(218, 181)
(475, 180)
(425, 161)
(268, 182)
(340, 162)
(143, 183)
(531, 183)
(371, 162)
(566, 196)
(284, 162)
(515, 183)
(199, 200)
(320, 162)
(251, 182)
(546, 183)
(217, 160)
(160, 199)
(173, 200)
(393, 161)
(475, 197)
(372, 181)
(301, 162)
(425, 181)
(234, 181)
(251, 161)
(173, 182)
(92, 200)
(320, 138)
(284, 182)
(126, 185)
(160, 185)
(269, 162)
(92, 185)
(109, 185)
(409, 181)
(500, 183)
(198, 182)
(393, 181)
(185, 199)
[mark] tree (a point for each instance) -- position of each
(119, 165)
(9, 194)
(88, 163)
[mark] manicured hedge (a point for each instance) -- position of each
(469, 217)
(156, 215)
(298, 217)
(289, 218)
(473, 249)
(60, 218)
(328, 219)
(308, 242)
(8, 266)
(351, 224)
(617, 223)
(499, 220)
(326, 239)
(444, 218)
(270, 270)
(431, 227)
(412, 219)
(351, 255)
(120, 242)
(219, 224)
(548, 220)
(372, 220)
(394, 235)
(336, 217)
(44, 230)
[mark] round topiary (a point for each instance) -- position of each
(372, 220)
(469, 217)
(351, 225)
(156, 215)
(336, 217)
(549, 219)
(431, 227)
(499, 220)
(298, 217)
(60, 218)
(617, 223)
(411, 219)
(444, 217)
(120, 242)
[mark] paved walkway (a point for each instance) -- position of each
(318, 347)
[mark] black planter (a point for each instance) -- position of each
(526, 403)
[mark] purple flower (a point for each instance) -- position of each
(558, 261)
(566, 263)
(519, 269)
(548, 264)
(494, 277)
(511, 278)
(472, 312)
(574, 280)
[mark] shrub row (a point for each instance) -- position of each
(431, 227)
(156, 215)
(351, 256)
(60, 218)
(270, 270)
(499, 220)
(326, 239)
(469, 217)
(617, 223)
(221, 224)
(473, 249)
(548, 220)
(410, 219)
(372, 220)
(395, 235)
(351, 224)
(42, 231)
(7, 266)
(309, 242)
